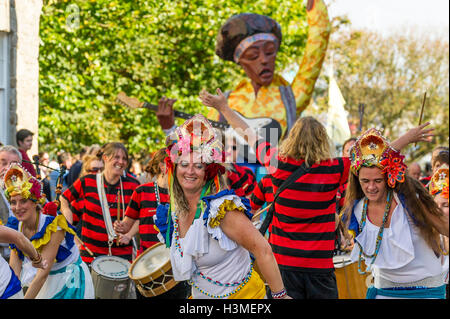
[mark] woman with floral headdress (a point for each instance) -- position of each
(395, 223)
(439, 190)
(66, 276)
(208, 227)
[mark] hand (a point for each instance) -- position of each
(420, 133)
(43, 264)
(124, 239)
(39, 262)
(164, 114)
(414, 135)
(219, 101)
(119, 227)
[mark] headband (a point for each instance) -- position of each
(247, 42)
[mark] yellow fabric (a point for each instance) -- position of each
(268, 102)
(226, 206)
(60, 221)
(253, 289)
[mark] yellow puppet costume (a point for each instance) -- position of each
(272, 101)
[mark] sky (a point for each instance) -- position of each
(386, 15)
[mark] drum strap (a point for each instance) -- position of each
(105, 210)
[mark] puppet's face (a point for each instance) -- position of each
(258, 62)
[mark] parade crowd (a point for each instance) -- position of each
(231, 227)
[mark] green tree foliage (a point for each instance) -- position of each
(92, 50)
(390, 75)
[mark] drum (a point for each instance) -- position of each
(110, 277)
(351, 284)
(151, 271)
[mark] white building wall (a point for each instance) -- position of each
(25, 79)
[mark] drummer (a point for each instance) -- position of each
(142, 207)
(206, 226)
(97, 217)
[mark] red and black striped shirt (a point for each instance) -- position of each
(303, 225)
(242, 180)
(142, 207)
(93, 230)
(263, 193)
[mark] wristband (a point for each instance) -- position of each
(279, 295)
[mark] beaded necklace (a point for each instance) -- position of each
(218, 283)
(241, 285)
(176, 227)
(380, 232)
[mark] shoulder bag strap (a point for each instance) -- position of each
(105, 210)
(291, 179)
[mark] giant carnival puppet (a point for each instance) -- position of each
(252, 41)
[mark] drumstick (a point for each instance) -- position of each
(261, 211)
(85, 247)
(421, 111)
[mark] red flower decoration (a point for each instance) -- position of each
(50, 209)
(394, 168)
(35, 188)
(444, 192)
(212, 170)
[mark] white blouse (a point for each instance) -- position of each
(404, 256)
(209, 253)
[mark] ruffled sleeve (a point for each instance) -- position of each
(216, 208)
(353, 226)
(163, 224)
(51, 224)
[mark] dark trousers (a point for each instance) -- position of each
(306, 285)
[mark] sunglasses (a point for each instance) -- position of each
(95, 169)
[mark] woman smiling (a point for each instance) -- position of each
(395, 222)
(105, 198)
(66, 276)
(208, 227)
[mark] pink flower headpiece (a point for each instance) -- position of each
(196, 135)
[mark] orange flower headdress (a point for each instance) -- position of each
(373, 149)
(18, 181)
(439, 181)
